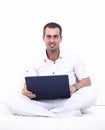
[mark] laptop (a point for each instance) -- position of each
(48, 87)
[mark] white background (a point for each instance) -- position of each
(21, 28)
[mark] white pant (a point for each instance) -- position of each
(79, 101)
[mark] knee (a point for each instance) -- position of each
(90, 93)
(12, 100)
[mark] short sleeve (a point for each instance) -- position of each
(80, 70)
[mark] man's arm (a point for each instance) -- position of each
(82, 83)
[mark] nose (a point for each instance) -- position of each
(52, 39)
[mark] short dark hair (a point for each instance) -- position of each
(52, 25)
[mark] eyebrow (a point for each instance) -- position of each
(52, 36)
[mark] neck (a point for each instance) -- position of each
(53, 55)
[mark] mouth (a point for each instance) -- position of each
(52, 45)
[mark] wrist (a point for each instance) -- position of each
(77, 87)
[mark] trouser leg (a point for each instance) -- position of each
(21, 105)
(80, 100)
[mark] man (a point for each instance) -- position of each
(54, 61)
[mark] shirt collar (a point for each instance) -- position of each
(45, 58)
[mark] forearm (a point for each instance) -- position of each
(82, 83)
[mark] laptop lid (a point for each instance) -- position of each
(49, 87)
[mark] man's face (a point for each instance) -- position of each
(52, 38)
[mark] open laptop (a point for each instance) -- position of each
(49, 87)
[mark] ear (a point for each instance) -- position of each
(61, 38)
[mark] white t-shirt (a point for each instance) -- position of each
(67, 63)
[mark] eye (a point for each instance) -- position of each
(48, 36)
(55, 36)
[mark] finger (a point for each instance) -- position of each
(30, 95)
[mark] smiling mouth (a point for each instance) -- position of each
(52, 45)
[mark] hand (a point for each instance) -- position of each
(27, 93)
(72, 89)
